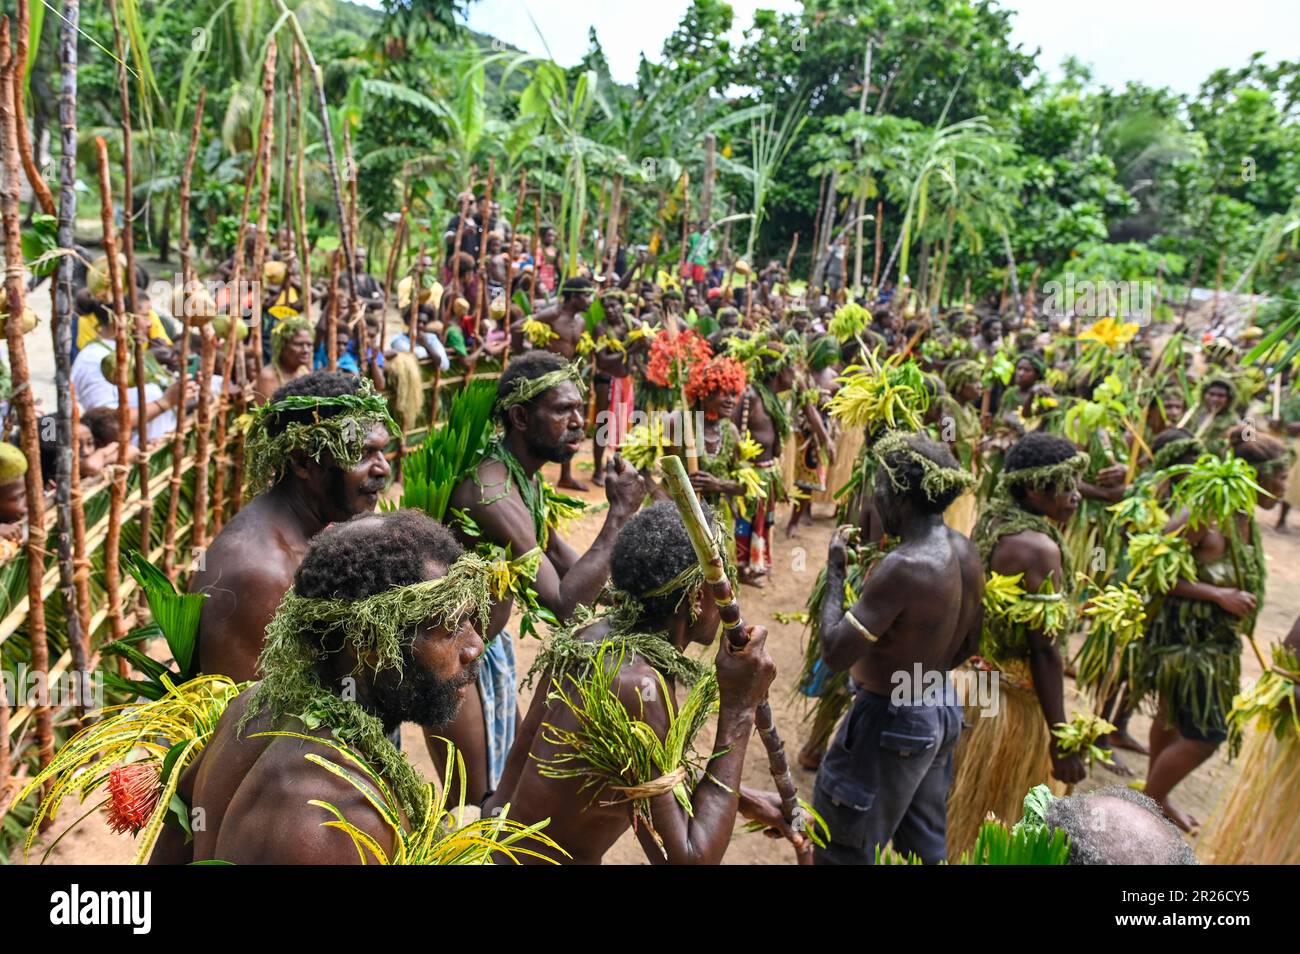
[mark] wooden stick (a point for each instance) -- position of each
(263, 161)
(187, 276)
(235, 309)
(789, 258)
(452, 260)
(112, 542)
(21, 39)
(203, 440)
(67, 467)
(22, 398)
(140, 326)
(80, 561)
(480, 300)
(300, 184)
(537, 255)
(390, 273)
(678, 485)
(510, 265)
(332, 315)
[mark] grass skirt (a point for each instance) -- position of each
(1258, 821)
(997, 761)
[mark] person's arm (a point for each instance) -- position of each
(507, 521)
(702, 837)
(1039, 559)
(883, 596)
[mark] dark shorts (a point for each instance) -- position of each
(885, 778)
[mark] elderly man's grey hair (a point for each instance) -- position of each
(1118, 826)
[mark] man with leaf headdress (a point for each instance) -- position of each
(886, 775)
(504, 504)
(291, 356)
(378, 630)
(315, 456)
(607, 744)
(1027, 616)
(560, 330)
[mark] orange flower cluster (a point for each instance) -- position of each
(133, 792)
(668, 353)
(718, 375)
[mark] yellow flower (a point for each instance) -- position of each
(1109, 332)
(538, 332)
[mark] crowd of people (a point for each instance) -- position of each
(1021, 498)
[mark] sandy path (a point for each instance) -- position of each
(796, 564)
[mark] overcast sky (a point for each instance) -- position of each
(1173, 43)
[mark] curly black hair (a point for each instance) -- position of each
(1036, 449)
(909, 471)
(321, 384)
(650, 550)
(373, 553)
(578, 285)
(528, 366)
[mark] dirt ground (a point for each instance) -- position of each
(795, 566)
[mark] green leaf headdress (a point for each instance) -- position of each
(937, 481)
(1045, 477)
(525, 389)
(338, 426)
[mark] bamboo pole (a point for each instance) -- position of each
(140, 326)
(789, 258)
(417, 286)
(327, 137)
(612, 236)
(452, 264)
(678, 485)
(203, 439)
(510, 265)
(389, 274)
(80, 560)
(233, 363)
(67, 462)
(537, 255)
(22, 398)
(117, 497)
(332, 315)
(263, 161)
(300, 186)
(480, 300)
(187, 276)
(875, 264)
(21, 40)
(21, 36)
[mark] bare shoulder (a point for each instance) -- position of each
(275, 821)
(1028, 551)
(641, 690)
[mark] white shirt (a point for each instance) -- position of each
(402, 342)
(94, 390)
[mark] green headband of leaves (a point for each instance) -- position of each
(1045, 477)
(1175, 451)
(381, 624)
(937, 481)
(342, 434)
(525, 389)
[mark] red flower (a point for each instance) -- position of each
(133, 792)
(671, 355)
(721, 374)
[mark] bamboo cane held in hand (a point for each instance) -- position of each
(389, 274)
(679, 488)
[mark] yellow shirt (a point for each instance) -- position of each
(88, 329)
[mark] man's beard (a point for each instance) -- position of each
(419, 696)
(338, 494)
(557, 453)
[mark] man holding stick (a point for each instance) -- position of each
(631, 661)
(885, 776)
(541, 405)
